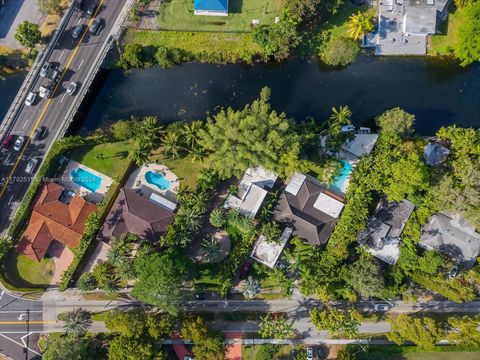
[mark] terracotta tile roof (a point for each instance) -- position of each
(134, 213)
(53, 219)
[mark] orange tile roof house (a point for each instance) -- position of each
(57, 215)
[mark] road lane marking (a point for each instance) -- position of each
(16, 342)
(17, 311)
(79, 19)
(6, 162)
(81, 63)
(24, 125)
(10, 201)
(63, 97)
(1, 294)
(61, 56)
(47, 104)
(31, 322)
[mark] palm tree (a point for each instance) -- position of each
(217, 218)
(211, 250)
(251, 288)
(189, 218)
(360, 24)
(76, 322)
(139, 154)
(198, 154)
(171, 144)
(276, 327)
(190, 131)
(341, 116)
(332, 129)
(118, 252)
(149, 132)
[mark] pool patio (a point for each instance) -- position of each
(137, 181)
(95, 197)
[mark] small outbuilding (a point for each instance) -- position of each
(435, 153)
(211, 7)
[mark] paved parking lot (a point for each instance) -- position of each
(13, 13)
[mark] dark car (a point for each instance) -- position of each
(92, 9)
(7, 141)
(39, 132)
(95, 27)
(77, 31)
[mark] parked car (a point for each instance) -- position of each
(7, 141)
(95, 27)
(309, 353)
(321, 353)
(18, 143)
(30, 100)
(382, 307)
(39, 132)
(32, 164)
(453, 272)
(92, 9)
(77, 31)
(45, 69)
(72, 87)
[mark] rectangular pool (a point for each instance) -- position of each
(340, 182)
(86, 179)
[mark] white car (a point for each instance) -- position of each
(32, 164)
(45, 92)
(30, 98)
(18, 143)
(72, 87)
(309, 353)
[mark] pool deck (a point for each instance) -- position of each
(88, 195)
(137, 181)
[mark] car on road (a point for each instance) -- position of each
(92, 9)
(39, 132)
(72, 87)
(382, 307)
(45, 69)
(95, 27)
(18, 143)
(32, 164)
(53, 75)
(309, 353)
(30, 100)
(453, 272)
(7, 141)
(45, 92)
(77, 31)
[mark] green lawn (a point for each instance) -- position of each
(110, 159)
(178, 15)
(24, 272)
(444, 44)
(259, 352)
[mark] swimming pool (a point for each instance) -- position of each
(340, 182)
(158, 180)
(86, 179)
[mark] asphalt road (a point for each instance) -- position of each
(74, 58)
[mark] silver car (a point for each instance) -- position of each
(18, 143)
(29, 101)
(45, 68)
(32, 164)
(72, 87)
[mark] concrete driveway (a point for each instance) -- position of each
(13, 13)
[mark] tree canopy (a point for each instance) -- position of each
(339, 51)
(208, 344)
(253, 136)
(467, 47)
(396, 121)
(338, 322)
(424, 332)
(28, 34)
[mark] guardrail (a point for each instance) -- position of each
(13, 111)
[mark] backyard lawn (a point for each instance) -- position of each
(178, 15)
(110, 159)
(444, 44)
(24, 272)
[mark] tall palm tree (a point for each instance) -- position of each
(360, 24)
(189, 218)
(211, 250)
(341, 116)
(76, 322)
(198, 154)
(119, 251)
(171, 144)
(217, 218)
(149, 132)
(190, 132)
(139, 154)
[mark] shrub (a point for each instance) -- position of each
(339, 51)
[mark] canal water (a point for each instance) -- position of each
(8, 89)
(437, 92)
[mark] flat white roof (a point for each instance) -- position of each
(161, 201)
(328, 205)
(268, 252)
(295, 183)
(361, 145)
(390, 252)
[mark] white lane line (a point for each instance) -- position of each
(78, 22)
(16, 342)
(1, 294)
(63, 97)
(10, 201)
(24, 125)
(61, 56)
(18, 311)
(81, 63)
(6, 162)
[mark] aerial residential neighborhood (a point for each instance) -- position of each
(239, 179)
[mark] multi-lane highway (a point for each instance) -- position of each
(74, 58)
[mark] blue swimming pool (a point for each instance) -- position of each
(340, 181)
(158, 180)
(86, 179)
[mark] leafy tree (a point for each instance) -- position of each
(276, 327)
(347, 353)
(132, 57)
(104, 275)
(360, 24)
(338, 322)
(119, 251)
(464, 330)
(124, 348)
(253, 136)
(123, 130)
(76, 322)
(139, 154)
(251, 288)
(339, 51)
(86, 282)
(332, 129)
(66, 347)
(160, 277)
(276, 40)
(149, 131)
(211, 250)
(396, 121)
(171, 142)
(271, 230)
(190, 132)
(207, 344)
(467, 46)
(462, 3)
(424, 332)
(162, 57)
(218, 218)
(50, 7)
(28, 34)
(365, 277)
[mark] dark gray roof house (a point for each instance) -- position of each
(309, 208)
(382, 236)
(435, 153)
(452, 236)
